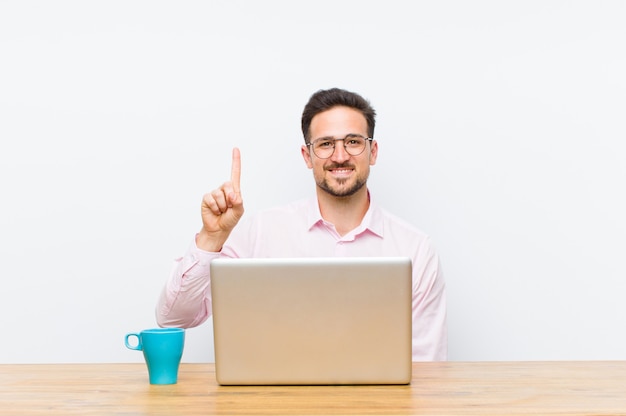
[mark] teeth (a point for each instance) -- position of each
(342, 173)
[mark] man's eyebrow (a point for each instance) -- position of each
(347, 136)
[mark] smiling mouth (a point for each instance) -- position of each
(341, 171)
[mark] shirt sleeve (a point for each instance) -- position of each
(430, 335)
(185, 300)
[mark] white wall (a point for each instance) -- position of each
(501, 129)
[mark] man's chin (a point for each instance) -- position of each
(341, 191)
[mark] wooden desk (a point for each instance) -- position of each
(453, 388)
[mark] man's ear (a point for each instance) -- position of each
(373, 152)
(306, 155)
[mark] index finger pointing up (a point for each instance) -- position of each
(235, 171)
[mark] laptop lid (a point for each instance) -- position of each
(305, 321)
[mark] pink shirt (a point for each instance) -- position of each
(298, 230)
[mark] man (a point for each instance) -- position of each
(343, 220)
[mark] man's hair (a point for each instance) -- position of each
(324, 100)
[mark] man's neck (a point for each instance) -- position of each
(345, 213)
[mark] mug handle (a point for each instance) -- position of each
(138, 347)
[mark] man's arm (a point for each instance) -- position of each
(185, 301)
(430, 332)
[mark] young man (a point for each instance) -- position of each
(342, 220)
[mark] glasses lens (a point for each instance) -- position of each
(354, 145)
(324, 148)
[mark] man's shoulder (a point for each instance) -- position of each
(269, 223)
(395, 224)
(299, 206)
(295, 210)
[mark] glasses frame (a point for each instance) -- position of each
(348, 137)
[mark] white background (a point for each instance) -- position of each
(501, 129)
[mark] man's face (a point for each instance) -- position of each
(342, 174)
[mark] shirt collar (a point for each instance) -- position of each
(372, 221)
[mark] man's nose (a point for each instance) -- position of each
(340, 154)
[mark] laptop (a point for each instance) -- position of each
(312, 321)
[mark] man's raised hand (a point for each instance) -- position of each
(221, 210)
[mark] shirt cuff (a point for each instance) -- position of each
(200, 256)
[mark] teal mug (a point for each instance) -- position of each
(162, 349)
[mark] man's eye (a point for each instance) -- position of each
(325, 143)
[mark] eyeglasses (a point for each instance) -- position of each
(354, 144)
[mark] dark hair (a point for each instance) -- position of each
(324, 100)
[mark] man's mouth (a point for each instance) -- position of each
(341, 171)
